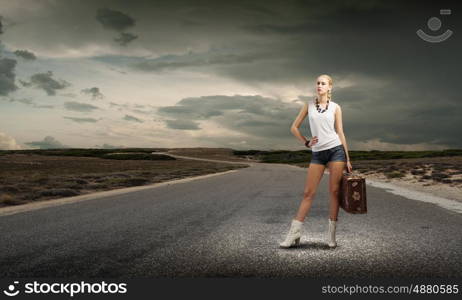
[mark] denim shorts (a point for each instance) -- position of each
(336, 153)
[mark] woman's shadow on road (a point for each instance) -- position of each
(305, 245)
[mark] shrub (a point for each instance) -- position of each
(7, 199)
(137, 156)
(417, 172)
(394, 174)
(56, 192)
(81, 181)
(9, 189)
(439, 176)
(41, 180)
(134, 181)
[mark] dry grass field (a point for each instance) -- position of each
(28, 177)
(438, 176)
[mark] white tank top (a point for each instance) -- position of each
(322, 126)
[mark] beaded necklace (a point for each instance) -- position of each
(319, 109)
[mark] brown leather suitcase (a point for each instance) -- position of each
(353, 193)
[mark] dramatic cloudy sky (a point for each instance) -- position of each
(225, 73)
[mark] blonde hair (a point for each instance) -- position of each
(331, 82)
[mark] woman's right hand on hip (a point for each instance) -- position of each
(313, 141)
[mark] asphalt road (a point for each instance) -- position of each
(230, 225)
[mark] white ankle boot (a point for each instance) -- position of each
(293, 237)
(332, 226)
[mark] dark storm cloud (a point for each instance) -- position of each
(182, 124)
(120, 107)
(283, 32)
(265, 118)
(23, 100)
(114, 20)
(118, 71)
(370, 41)
(333, 17)
(208, 59)
(48, 142)
(81, 120)
(1, 25)
(45, 82)
(78, 106)
(132, 119)
(125, 38)
(94, 92)
(255, 116)
(288, 43)
(70, 95)
(25, 83)
(147, 109)
(118, 21)
(27, 55)
(7, 76)
(30, 102)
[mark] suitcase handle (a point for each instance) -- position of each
(354, 174)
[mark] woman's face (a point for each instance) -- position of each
(322, 85)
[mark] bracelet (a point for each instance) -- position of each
(307, 142)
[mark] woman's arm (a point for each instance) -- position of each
(339, 129)
(298, 122)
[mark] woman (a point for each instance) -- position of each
(329, 148)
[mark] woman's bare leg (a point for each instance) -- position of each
(335, 178)
(315, 172)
